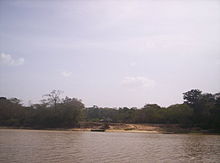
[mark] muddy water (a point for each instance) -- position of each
(72, 146)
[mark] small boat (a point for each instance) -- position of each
(98, 130)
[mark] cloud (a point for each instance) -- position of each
(134, 83)
(6, 59)
(66, 74)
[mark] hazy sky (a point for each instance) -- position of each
(109, 53)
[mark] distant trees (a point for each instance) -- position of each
(206, 108)
(198, 110)
(96, 113)
(192, 97)
(71, 111)
(52, 98)
(150, 113)
(179, 114)
(53, 112)
(11, 112)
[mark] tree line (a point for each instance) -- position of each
(198, 110)
(52, 112)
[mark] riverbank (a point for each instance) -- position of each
(134, 128)
(144, 128)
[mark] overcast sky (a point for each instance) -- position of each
(109, 53)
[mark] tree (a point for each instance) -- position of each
(71, 111)
(11, 112)
(192, 97)
(179, 113)
(153, 113)
(150, 106)
(205, 108)
(53, 98)
(217, 99)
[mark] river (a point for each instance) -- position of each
(81, 147)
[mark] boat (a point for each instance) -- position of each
(98, 130)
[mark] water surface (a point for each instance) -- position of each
(82, 147)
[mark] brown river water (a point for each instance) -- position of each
(81, 147)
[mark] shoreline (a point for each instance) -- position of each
(127, 128)
(75, 129)
(107, 131)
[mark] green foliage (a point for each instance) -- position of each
(198, 110)
(66, 113)
(192, 97)
(11, 112)
(179, 114)
(206, 108)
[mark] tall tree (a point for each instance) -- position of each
(53, 98)
(192, 97)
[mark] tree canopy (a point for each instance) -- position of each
(198, 110)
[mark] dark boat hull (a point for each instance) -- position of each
(98, 130)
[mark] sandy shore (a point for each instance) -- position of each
(144, 128)
(119, 127)
(122, 127)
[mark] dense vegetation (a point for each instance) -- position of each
(198, 110)
(53, 112)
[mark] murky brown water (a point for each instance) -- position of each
(72, 146)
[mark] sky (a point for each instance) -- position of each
(109, 53)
